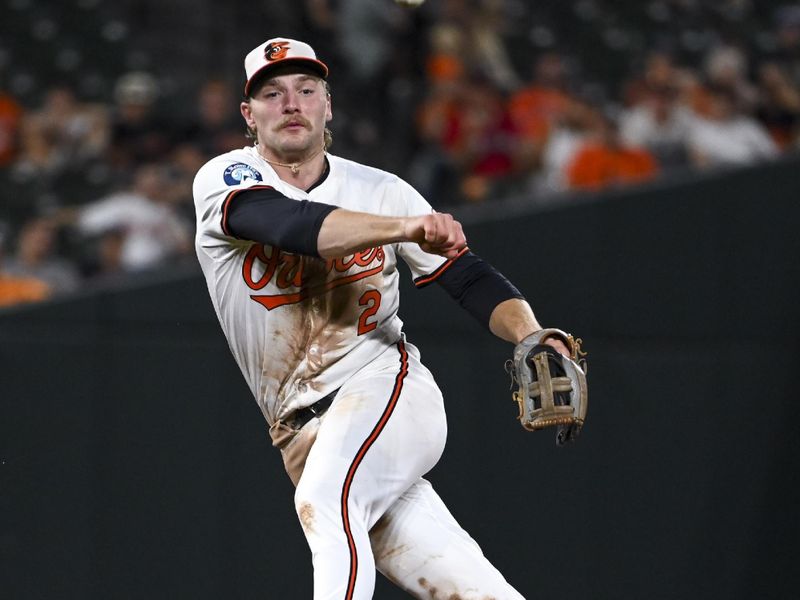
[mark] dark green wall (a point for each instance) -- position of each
(135, 464)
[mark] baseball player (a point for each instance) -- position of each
(300, 251)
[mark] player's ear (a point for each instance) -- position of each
(328, 108)
(247, 113)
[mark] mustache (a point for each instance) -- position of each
(296, 120)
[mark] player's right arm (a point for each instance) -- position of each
(344, 232)
(317, 229)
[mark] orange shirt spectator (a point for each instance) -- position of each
(16, 290)
(537, 107)
(605, 159)
(534, 110)
(598, 165)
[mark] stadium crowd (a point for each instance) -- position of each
(475, 100)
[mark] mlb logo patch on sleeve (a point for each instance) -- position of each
(239, 172)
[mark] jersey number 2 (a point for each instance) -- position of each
(372, 300)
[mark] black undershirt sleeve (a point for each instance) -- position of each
(477, 286)
(265, 215)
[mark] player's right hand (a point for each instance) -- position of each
(437, 233)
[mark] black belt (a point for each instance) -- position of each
(303, 415)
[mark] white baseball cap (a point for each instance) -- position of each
(280, 51)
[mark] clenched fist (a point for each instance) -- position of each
(436, 233)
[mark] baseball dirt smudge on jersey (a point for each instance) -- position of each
(433, 592)
(306, 514)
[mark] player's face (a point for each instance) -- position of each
(288, 113)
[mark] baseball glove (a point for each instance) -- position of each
(550, 388)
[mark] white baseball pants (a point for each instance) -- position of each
(362, 501)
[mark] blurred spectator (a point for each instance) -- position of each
(692, 92)
(474, 30)
(470, 123)
(370, 42)
(659, 123)
(16, 289)
(726, 135)
(103, 264)
(36, 257)
(19, 290)
(659, 72)
(138, 132)
(486, 26)
(727, 66)
(535, 108)
(565, 139)
(217, 127)
(367, 32)
(483, 144)
(63, 133)
(143, 220)
(605, 159)
(778, 104)
(10, 119)
(444, 63)
(433, 171)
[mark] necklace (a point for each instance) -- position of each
(295, 167)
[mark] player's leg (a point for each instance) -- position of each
(420, 547)
(385, 429)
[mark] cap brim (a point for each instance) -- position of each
(319, 67)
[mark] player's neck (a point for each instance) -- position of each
(301, 173)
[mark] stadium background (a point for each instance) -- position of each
(134, 462)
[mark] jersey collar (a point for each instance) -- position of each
(323, 176)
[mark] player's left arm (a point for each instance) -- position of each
(492, 299)
(513, 320)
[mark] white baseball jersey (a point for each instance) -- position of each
(300, 326)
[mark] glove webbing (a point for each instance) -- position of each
(545, 387)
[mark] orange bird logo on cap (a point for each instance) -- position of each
(276, 50)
